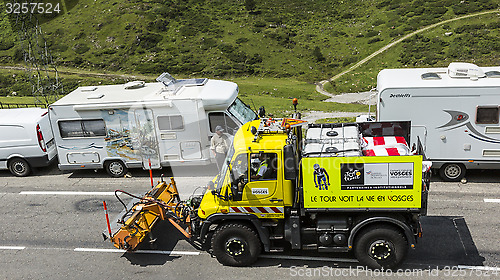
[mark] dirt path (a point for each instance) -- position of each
(313, 116)
(345, 97)
(85, 74)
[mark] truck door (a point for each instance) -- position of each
(146, 139)
(256, 187)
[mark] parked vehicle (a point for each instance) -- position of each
(345, 187)
(454, 112)
(149, 125)
(26, 140)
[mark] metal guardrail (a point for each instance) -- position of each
(20, 105)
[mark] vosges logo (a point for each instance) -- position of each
(401, 173)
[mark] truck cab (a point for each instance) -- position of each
(252, 180)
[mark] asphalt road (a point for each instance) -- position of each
(51, 226)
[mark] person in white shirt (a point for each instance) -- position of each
(219, 144)
(262, 168)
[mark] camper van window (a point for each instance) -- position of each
(82, 128)
(170, 123)
(487, 115)
(241, 111)
(220, 118)
(93, 128)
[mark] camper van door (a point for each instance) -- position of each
(146, 140)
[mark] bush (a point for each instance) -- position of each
(374, 40)
(371, 33)
(148, 41)
(378, 22)
(159, 25)
(242, 40)
(318, 55)
(5, 45)
(208, 43)
(469, 28)
(81, 48)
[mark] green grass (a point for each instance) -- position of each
(17, 99)
(275, 52)
(274, 94)
(304, 40)
(478, 44)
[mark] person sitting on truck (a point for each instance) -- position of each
(219, 144)
(321, 177)
(262, 168)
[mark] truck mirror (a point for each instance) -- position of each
(253, 130)
(289, 163)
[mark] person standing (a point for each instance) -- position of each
(219, 144)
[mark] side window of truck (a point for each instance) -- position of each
(82, 128)
(264, 166)
(239, 168)
(222, 119)
(170, 122)
(487, 115)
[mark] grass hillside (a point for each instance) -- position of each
(293, 41)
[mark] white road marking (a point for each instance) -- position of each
(137, 252)
(65, 193)
(82, 193)
(492, 200)
(306, 258)
(479, 267)
(12, 248)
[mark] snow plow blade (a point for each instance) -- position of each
(138, 220)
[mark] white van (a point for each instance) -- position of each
(148, 125)
(26, 140)
(454, 112)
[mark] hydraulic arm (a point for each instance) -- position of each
(160, 203)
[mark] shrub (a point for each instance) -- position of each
(318, 55)
(374, 40)
(81, 48)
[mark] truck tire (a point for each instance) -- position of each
(115, 168)
(19, 167)
(452, 172)
(380, 247)
(236, 245)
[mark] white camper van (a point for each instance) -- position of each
(26, 140)
(454, 112)
(167, 123)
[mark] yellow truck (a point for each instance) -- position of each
(330, 188)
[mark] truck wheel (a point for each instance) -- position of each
(236, 245)
(452, 172)
(380, 247)
(19, 167)
(115, 168)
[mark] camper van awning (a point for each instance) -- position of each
(109, 106)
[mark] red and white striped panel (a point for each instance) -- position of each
(399, 150)
(259, 210)
(388, 141)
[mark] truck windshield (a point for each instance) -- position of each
(241, 111)
(223, 170)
